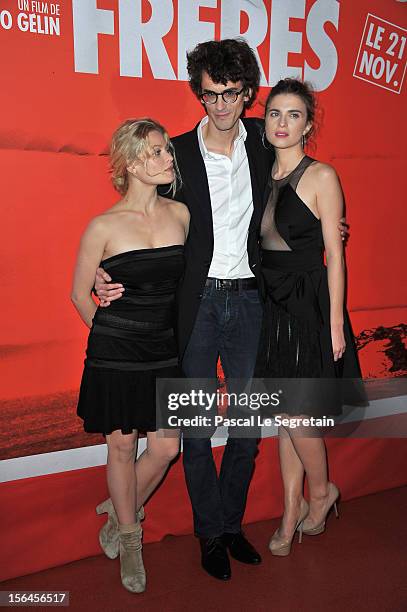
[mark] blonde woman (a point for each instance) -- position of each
(139, 243)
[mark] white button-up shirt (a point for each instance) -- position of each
(230, 190)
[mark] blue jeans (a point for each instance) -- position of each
(227, 325)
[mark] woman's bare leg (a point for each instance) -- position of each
(121, 478)
(292, 472)
(153, 463)
(311, 450)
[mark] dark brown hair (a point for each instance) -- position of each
(225, 60)
(304, 91)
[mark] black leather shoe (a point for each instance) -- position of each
(215, 558)
(240, 548)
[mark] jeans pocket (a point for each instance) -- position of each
(252, 295)
(206, 291)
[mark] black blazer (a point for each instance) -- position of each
(195, 194)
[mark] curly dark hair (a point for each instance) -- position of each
(225, 60)
(301, 89)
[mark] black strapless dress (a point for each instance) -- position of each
(296, 337)
(132, 342)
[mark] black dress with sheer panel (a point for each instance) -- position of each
(132, 342)
(296, 338)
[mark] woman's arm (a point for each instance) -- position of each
(91, 249)
(330, 209)
(184, 216)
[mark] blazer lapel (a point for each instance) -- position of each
(194, 177)
(252, 156)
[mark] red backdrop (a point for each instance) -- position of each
(64, 92)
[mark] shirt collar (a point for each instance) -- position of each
(241, 137)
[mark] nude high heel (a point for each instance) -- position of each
(333, 494)
(109, 533)
(132, 570)
(281, 547)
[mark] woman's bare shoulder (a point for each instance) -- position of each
(102, 223)
(98, 224)
(322, 171)
(179, 208)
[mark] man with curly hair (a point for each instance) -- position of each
(225, 169)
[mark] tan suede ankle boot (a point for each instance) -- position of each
(109, 533)
(132, 570)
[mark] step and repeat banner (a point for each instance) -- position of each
(73, 70)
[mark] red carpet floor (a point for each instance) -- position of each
(360, 562)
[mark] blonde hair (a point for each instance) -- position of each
(129, 144)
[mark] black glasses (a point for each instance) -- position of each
(228, 96)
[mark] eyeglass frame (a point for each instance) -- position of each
(237, 93)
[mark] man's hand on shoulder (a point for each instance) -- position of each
(107, 291)
(344, 229)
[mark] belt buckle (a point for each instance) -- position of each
(224, 284)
